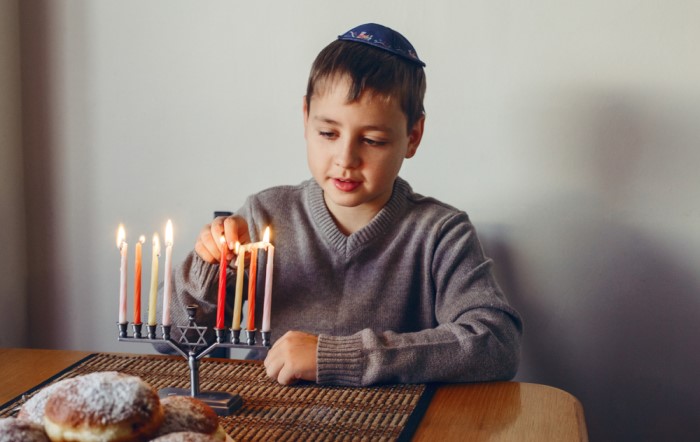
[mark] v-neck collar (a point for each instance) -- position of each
(382, 221)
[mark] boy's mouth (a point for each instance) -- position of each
(345, 185)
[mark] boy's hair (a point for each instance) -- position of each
(371, 69)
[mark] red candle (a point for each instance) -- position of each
(137, 281)
(252, 281)
(221, 306)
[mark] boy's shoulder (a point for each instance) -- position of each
(421, 202)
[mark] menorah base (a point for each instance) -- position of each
(222, 402)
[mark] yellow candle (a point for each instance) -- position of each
(154, 282)
(238, 300)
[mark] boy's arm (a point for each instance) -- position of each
(485, 348)
(477, 337)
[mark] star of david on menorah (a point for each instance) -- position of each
(193, 346)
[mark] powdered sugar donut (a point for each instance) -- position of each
(103, 406)
(33, 409)
(15, 430)
(188, 414)
(187, 436)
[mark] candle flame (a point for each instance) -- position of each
(142, 239)
(156, 244)
(222, 240)
(238, 246)
(169, 233)
(121, 236)
(266, 235)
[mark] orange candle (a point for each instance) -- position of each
(137, 280)
(252, 281)
(221, 305)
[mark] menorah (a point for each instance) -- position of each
(193, 346)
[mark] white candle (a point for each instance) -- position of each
(121, 244)
(152, 297)
(167, 288)
(267, 306)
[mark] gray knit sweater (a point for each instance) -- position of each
(408, 298)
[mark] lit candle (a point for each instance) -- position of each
(238, 300)
(252, 280)
(221, 305)
(154, 281)
(137, 280)
(267, 306)
(121, 244)
(167, 289)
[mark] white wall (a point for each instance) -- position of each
(568, 130)
(13, 332)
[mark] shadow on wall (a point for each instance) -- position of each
(610, 308)
(39, 159)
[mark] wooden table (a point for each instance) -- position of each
(499, 411)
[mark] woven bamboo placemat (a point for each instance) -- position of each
(273, 412)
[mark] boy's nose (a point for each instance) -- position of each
(347, 155)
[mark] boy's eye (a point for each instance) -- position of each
(373, 142)
(326, 134)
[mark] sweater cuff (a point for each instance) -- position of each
(339, 360)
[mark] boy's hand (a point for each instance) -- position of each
(293, 358)
(233, 228)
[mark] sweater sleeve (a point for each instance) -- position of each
(195, 283)
(476, 336)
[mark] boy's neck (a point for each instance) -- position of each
(350, 219)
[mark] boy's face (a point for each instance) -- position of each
(355, 149)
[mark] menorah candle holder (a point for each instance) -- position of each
(224, 403)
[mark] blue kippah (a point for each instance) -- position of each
(383, 38)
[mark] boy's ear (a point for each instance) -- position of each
(305, 111)
(415, 136)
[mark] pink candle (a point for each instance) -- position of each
(221, 305)
(267, 306)
(167, 286)
(121, 244)
(252, 281)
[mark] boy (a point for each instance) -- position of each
(373, 282)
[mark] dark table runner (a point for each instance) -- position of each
(273, 412)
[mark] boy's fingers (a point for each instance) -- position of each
(231, 231)
(287, 377)
(272, 367)
(209, 241)
(217, 229)
(204, 253)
